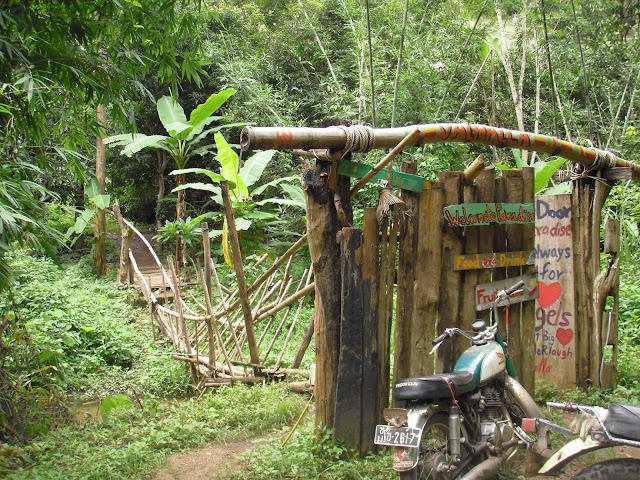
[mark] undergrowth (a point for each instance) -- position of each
(310, 455)
(132, 442)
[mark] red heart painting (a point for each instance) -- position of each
(564, 336)
(548, 293)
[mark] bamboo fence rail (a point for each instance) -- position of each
(212, 337)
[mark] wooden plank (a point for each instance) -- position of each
(349, 374)
(475, 214)
(406, 268)
(403, 180)
(384, 317)
(486, 193)
(428, 269)
(527, 371)
(584, 278)
(475, 261)
(556, 324)
(469, 278)
(375, 366)
(390, 269)
(514, 189)
(450, 283)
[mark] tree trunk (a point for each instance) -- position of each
(516, 90)
(322, 227)
(99, 249)
(162, 161)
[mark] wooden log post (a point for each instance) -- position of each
(322, 228)
(609, 363)
(349, 401)
(469, 277)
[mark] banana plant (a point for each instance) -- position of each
(182, 136)
(241, 181)
(542, 171)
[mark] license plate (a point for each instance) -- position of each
(397, 436)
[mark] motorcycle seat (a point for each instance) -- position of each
(624, 421)
(434, 387)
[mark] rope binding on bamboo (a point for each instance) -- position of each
(603, 159)
(359, 138)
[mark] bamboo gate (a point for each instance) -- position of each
(213, 338)
(418, 258)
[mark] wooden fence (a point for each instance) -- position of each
(213, 336)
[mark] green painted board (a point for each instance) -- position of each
(405, 181)
(474, 214)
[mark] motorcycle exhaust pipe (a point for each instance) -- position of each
(488, 469)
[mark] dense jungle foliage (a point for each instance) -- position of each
(568, 69)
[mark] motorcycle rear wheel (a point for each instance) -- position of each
(433, 448)
(615, 469)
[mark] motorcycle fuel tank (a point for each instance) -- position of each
(484, 362)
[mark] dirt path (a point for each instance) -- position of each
(214, 462)
(217, 461)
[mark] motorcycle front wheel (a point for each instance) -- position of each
(433, 450)
(518, 401)
(616, 469)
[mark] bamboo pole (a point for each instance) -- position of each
(293, 298)
(295, 319)
(335, 138)
(214, 332)
(242, 283)
(181, 320)
(232, 332)
(408, 140)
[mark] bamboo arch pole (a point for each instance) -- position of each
(283, 138)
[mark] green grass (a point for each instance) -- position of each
(309, 455)
(131, 442)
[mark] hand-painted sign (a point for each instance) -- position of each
(555, 318)
(494, 260)
(406, 181)
(486, 292)
(473, 214)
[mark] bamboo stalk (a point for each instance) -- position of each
(292, 249)
(309, 138)
(275, 335)
(242, 284)
(232, 333)
(213, 331)
(405, 142)
(296, 296)
(294, 322)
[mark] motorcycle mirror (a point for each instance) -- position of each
(479, 325)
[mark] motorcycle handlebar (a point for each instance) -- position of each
(515, 287)
(441, 338)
